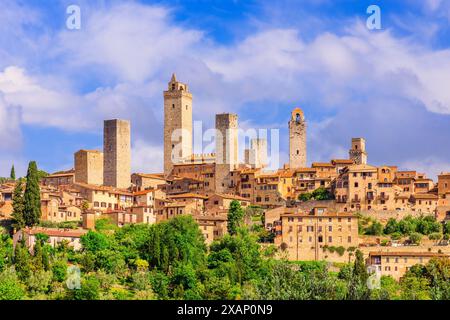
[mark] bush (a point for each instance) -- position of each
(435, 236)
(415, 238)
(396, 236)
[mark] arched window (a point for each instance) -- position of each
(297, 118)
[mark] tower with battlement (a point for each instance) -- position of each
(117, 153)
(177, 124)
(297, 139)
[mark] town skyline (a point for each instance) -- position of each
(393, 105)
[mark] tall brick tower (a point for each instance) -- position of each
(297, 139)
(177, 124)
(226, 148)
(117, 153)
(357, 152)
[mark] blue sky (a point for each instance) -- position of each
(259, 59)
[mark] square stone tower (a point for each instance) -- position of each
(357, 152)
(117, 153)
(177, 124)
(256, 156)
(227, 152)
(89, 167)
(297, 139)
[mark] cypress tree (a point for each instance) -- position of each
(13, 173)
(235, 217)
(18, 206)
(32, 197)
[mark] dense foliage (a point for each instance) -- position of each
(169, 260)
(412, 227)
(319, 194)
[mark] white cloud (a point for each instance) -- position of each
(147, 158)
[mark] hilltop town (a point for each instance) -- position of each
(322, 212)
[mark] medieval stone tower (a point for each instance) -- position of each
(177, 124)
(117, 153)
(358, 152)
(297, 139)
(256, 156)
(226, 148)
(89, 166)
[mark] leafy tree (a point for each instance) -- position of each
(12, 175)
(59, 270)
(235, 217)
(22, 261)
(391, 226)
(415, 238)
(305, 197)
(18, 205)
(375, 229)
(446, 227)
(90, 289)
(415, 288)
(6, 249)
(10, 286)
(32, 197)
(322, 194)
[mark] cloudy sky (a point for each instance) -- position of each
(259, 59)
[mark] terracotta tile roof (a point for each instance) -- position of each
(103, 188)
(431, 196)
(407, 254)
(322, 164)
(342, 161)
(230, 196)
(187, 195)
(324, 215)
(142, 192)
(158, 176)
(73, 233)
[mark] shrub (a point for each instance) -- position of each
(415, 238)
(435, 236)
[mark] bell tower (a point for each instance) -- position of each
(357, 152)
(177, 124)
(297, 139)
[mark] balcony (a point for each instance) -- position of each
(356, 200)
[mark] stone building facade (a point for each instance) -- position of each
(177, 124)
(89, 167)
(297, 139)
(117, 154)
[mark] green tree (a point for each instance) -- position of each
(90, 289)
(32, 197)
(391, 226)
(235, 217)
(415, 238)
(22, 261)
(12, 175)
(18, 206)
(305, 197)
(10, 286)
(322, 194)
